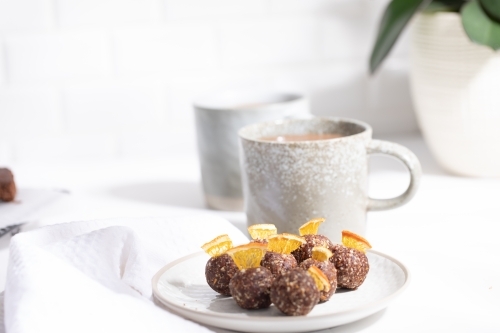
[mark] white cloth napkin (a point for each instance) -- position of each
(95, 276)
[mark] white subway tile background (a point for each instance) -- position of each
(85, 79)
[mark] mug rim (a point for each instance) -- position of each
(202, 103)
(366, 128)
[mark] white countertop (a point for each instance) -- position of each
(446, 235)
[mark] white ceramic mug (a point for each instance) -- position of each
(287, 183)
(218, 118)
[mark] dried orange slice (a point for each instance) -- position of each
(319, 278)
(248, 255)
(262, 231)
(284, 243)
(311, 226)
(218, 246)
(321, 253)
(355, 241)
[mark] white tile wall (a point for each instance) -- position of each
(98, 109)
(49, 148)
(341, 91)
(156, 144)
(391, 114)
(107, 13)
(164, 50)
(3, 65)
(29, 112)
(46, 57)
(5, 153)
(301, 6)
(20, 15)
(347, 38)
(209, 9)
(111, 78)
(272, 41)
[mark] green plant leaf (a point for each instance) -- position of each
(492, 8)
(480, 27)
(397, 14)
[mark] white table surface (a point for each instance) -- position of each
(448, 235)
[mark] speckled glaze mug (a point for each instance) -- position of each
(288, 183)
(218, 117)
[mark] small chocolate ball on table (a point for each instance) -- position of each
(7, 185)
(278, 263)
(309, 232)
(296, 292)
(351, 261)
(278, 258)
(219, 271)
(311, 241)
(220, 268)
(352, 267)
(250, 286)
(320, 259)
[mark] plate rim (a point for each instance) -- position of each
(175, 307)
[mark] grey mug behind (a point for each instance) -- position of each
(218, 118)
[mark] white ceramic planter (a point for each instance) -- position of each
(455, 88)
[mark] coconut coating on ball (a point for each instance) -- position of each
(352, 267)
(250, 288)
(278, 263)
(329, 270)
(219, 271)
(294, 292)
(305, 250)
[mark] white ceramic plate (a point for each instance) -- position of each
(181, 286)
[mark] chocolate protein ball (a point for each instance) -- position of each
(219, 271)
(294, 292)
(305, 250)
(352, 266)
(250, 288)
(7, 185)
(329, 270)
(278, 263)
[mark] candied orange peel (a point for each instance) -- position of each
(248, 255)
(319, 278)
(355, 241)
(262, 231)
(218, 246)
(284, 243)
(321, 253)
(311, 226)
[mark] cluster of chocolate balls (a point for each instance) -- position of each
(350, 266)
(284, 279)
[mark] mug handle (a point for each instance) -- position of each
(411, 162)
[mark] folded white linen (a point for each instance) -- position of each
(95, 276)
